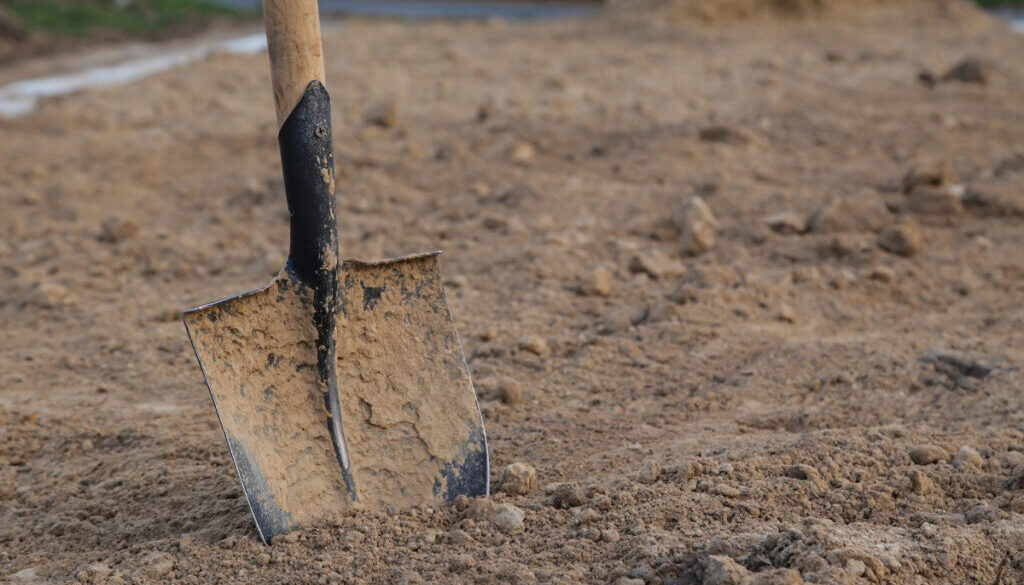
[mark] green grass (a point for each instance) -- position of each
(82, 18)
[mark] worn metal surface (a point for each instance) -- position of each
(413, 427)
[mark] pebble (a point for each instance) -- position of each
(610, 535)
(115, 229)
(522, 153)
(567, 495)
(722, 570)
(620, 319)
(901, 239)
(944, 200)
(1017, 478)
(928, 454)
(599, 283)
(722, 134)
(786, 222)
(489, 334)
(970, 70)
(968, 458)
(865, 212)
(25, 575)
(696, 225)
(726, 490)
(882, 274)
(649, 473)
(510, 391)
(534, 344)
(711, 276)
(508, 518)
(928, 173)
(518, 479)
(158, 564)
(629, 581)
(383, 114)
(51, 295)
(656, 265)
(786, 313)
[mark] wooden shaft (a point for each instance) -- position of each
(296, 52)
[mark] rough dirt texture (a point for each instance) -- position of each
(827, 401)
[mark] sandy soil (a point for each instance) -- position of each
(739, 399)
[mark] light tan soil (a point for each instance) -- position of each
(777, 400)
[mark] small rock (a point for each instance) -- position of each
(489, 334)
(928, 454)
(968, 458)
(786, 313)
(944, 200)
(920, 483)
(510, 391)
(26, 575)
(656, 265)
(99, 570)
(518, 479)
(711, 276)
(115, 229)
(522, 153)
(649, 473)
(928, 173)
(383, 114)
(722, 570)
(51, 295)
(620, 319)
(629, 581)
(158, 564)
(726, 490)
(567, 495)
(610, 535)
(724, 135)
(599, 282)
(786, 222)
(696, 226)
(901, 239)
(882, 274)
(970, 70)
(508, 518)
(865, 212)
(534, 344)
(1017, 478)
(955, 365)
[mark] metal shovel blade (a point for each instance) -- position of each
(412, 428)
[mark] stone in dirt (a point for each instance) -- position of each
(510, 391)
(970, 70)
(522, 153)
(598, 282)
(920, 483)
(968, 458)
(724, 135)
(649, 473)
(928, 173)
(722, 570)
(809, 474)
(902, 239)
(696, 225)
(518, 479)
(786, 222)
(864, 212)
(29, 575)
(928, 454)
(955, 365)
(620, 319)
(534, 344)
(656, 265)
(567, 495)
(115, 229)
(383, 114)
(944, 200)
(508, 518)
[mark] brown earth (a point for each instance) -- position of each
(838, 403)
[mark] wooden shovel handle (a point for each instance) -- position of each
(296, 52)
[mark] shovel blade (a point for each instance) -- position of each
(412, 427)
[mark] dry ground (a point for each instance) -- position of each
(802, 402)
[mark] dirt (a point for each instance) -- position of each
(794, 406)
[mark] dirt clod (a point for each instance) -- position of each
(567, 495)
(518, 479)
(928, 454)
(902, 239)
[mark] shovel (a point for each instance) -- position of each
(342, 384)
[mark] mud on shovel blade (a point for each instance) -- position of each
(339, 385)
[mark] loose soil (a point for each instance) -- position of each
(828, 401)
